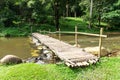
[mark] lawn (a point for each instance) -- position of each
(107, 69)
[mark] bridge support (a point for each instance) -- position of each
(100, 42)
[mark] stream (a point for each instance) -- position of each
(16, 46)
(20, 46)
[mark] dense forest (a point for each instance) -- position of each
(21, 14)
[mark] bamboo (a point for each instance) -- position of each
(31, 30)
(100, 42)
(60, 49)
(76, 37)
(40, 31)
(59, 34)
(44, 31)
(49, 32)
(89, 34)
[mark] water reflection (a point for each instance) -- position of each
(18, 46)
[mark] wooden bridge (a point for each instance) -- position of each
(72, 56)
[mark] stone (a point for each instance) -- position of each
(95, 50)
(39, 47)
(31, 60)
(46, 51)
(77, 45)
(11, 59)
(40, 62)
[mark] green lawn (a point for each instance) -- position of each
(107, 69)
(69, 23)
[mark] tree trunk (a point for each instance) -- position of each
(67, 8)
(91, 7)
(56, 10)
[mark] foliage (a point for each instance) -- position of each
(107, 69)
(69, 23)
(66, 24)
(113, 16)
(101, 10)
(13, 32)
(17, 13)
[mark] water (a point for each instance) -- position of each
(18, 46)
(112, 42)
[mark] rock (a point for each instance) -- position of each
(48, 56)
(11, 59)
(46, 51)
(39, 47)
(36, 51)
(37, 44)
(31, 60)
(34, 40)
(44, 47)
(77, 45)
(95, 50)
(40, 62)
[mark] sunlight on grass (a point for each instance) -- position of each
(69, 23)
(75, 19)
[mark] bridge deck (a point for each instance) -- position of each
(72, 56)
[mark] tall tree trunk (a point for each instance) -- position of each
(56, 10)
(91, 7)
(67, 8)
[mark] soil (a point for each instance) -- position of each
(114, 53)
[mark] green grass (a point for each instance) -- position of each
(69, 23)
(107, 69)
(66, 24)
(14, 32)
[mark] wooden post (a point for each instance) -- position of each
(76, 37)
(59, 34)
(49, 32)
(31, 30)
(100, 42)
(44, 32)
(40, 31)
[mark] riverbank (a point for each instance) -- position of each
(106, 69)
(66, 24)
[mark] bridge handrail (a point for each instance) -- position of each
(70, 32)
(76, 34)
(89, 34)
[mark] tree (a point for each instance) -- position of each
(112, 15)
(56, 5)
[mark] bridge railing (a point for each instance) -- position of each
(76, 36)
